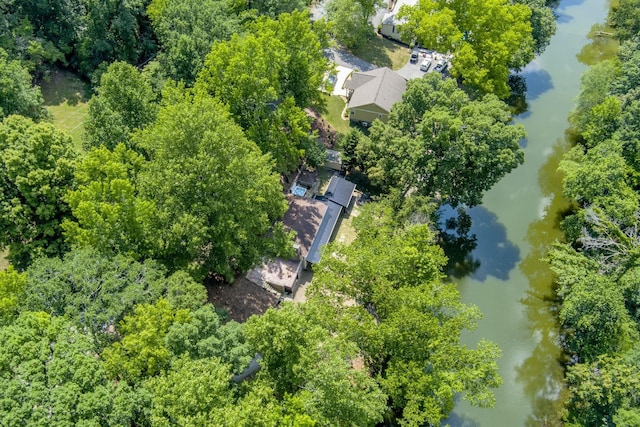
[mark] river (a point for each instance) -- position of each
(514, 226)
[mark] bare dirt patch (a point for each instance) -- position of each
(241, 299)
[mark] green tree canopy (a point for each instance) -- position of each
(216, 196)
(486, 37)
(267, 77)
(97, 291)
(593, 315)
(38, 162)
(114, 30)
(305, 362)
(442, 144)
(124, 102)
(384, 292)
(191, 393)
(600, 177)
(12, 286)
(274, 8)
(186, 30)
(604, 392)
(543, 23)
(39, 33)
(349, 21)
(51, 375)
(17, 94)
(108, 213)
(625, 18)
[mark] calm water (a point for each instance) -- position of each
(517, 221)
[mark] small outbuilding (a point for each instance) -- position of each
(334, 160)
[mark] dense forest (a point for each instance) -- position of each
(597, 267)
(197, 113)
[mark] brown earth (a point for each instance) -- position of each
(241, 299)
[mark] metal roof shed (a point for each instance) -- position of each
(324, 232)
(340, 191)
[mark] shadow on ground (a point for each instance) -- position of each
(64, 86)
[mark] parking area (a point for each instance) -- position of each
(424, 56)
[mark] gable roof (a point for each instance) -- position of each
(382, 87)
(340, 191)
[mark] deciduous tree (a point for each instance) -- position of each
(442, 144)
(17, 94)
(38, 162)
(304, 362)
(51, 375)
(186, 30)
(108, 213)
(349, 21)
(97, 292)
(216, 196)
(114, 30)
(486, 37)
(385, 293)
(124, 102)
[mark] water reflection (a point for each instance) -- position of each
(541, 373)
(603, 45)
(460, 420)
(480, 249)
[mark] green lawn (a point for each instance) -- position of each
(333, 113)
(66, 97)
(384, 53)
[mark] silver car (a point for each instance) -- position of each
(425, 65)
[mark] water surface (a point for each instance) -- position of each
(504, 276)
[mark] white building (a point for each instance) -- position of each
(390, 26)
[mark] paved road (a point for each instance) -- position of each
(344, 58)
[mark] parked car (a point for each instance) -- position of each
(441, 66)
(414, 57)
(425, 65)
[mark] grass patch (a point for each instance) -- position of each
(66, 97)
(383, 52)
(4, 262)
(345, 232)
(334, 105)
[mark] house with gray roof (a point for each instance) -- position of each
(371, 94)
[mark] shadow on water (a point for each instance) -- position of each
(541, 373)
(478, 249)
(459, 420)
(538, 82)
(526, 86)
(569, 3)
(563, 18)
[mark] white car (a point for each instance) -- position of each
(425, 65)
